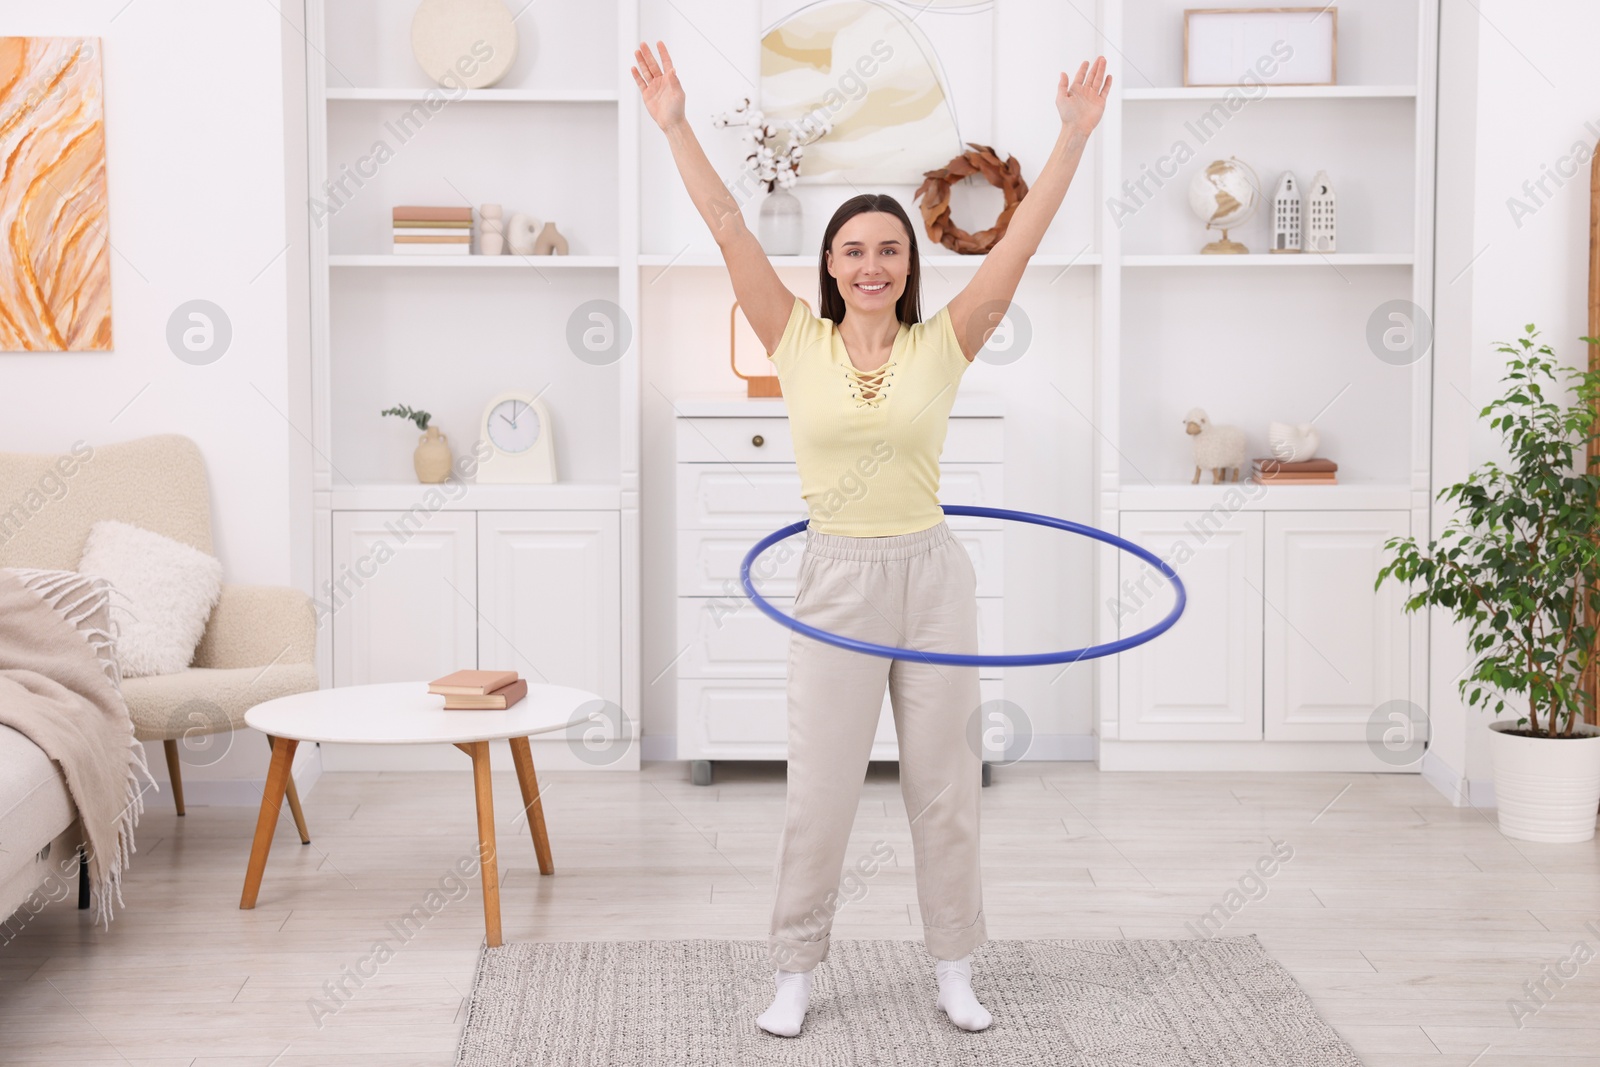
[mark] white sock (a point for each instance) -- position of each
(956, 996)
(789, 1004)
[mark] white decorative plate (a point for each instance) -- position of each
(475, 40)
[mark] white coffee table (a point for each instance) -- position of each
(405, 713)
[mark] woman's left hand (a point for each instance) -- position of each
(1082, 101)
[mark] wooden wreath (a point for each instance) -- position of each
(934, 193)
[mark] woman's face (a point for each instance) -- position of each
(869, 259)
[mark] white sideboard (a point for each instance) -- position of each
(422, 591)
(1283, 640)
(736, 483)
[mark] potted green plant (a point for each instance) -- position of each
(1520, 563)
(431, 460)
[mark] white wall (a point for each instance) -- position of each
(1519, 90)
(196, 170)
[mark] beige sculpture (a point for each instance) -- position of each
(550, 242)
(520, 233)
(491, 231)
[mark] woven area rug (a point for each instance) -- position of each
(1137, 1003)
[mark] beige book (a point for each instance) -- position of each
(471, 683)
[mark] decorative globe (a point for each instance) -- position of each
(1223, 195)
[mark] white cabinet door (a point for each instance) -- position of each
(405, 595)
(1335, 649)
(550, 597)
(1201, 680)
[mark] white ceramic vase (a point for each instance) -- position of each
(1546, 788)
(780, 223)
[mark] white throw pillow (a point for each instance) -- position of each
(163, 593)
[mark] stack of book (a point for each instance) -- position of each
(479, 690)
(1300, 472)
(432, 231)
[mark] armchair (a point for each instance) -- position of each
(259, 642)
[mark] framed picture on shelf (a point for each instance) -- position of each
(1267, 45)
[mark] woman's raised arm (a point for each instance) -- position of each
(766, 301)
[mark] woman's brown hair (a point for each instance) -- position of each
(830, 302)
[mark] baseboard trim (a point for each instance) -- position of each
(234, 792)
(1347, 757)
(1044, 747)
(1445, 778)
(1456, 788)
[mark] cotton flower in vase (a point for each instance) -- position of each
(781, 219)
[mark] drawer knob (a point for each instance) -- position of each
(758, 440)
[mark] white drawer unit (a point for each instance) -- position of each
(736, 483)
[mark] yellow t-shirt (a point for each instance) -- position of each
(867, 443)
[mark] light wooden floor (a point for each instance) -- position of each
(1409, 922)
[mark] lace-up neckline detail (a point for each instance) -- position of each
(869, 387)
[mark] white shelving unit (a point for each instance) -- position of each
(1276, 92)
(478, 262)
(1268, 259)
(1250, 338)
(929, 261)
(515, 96)
(542, 578)
(1285, 648)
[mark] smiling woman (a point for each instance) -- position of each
(868, 374)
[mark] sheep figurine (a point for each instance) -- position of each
(1217, 448)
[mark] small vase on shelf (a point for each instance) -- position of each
(779, 224)
(432, 457)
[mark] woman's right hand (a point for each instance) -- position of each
(663, 96)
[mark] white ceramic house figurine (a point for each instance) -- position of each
(1216, 448)
(491, 230)
(1319, 215)
(1292, 442)
(1286, 215)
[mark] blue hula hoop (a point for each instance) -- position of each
(957, 659)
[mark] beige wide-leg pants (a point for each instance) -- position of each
(915, 590)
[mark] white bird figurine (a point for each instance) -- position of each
(1292, 442)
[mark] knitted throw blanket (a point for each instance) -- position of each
(60, 688)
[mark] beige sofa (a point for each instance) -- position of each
(259, 642)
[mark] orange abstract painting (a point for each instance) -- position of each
(55, 275)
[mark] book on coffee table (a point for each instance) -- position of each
(498, 700)
(471, 683)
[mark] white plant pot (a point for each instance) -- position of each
(1546, 788)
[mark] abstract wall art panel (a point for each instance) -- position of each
(55, 274)
(906, 83)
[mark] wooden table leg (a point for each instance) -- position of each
(267, 821)
(294, 803)
(532, 804)
(484, 786)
